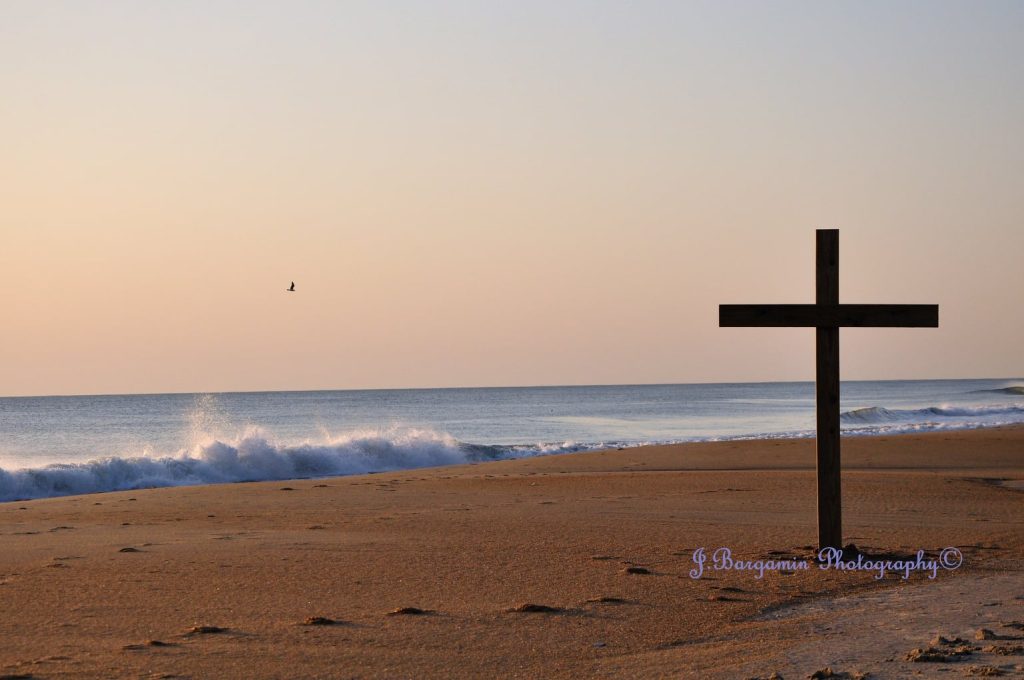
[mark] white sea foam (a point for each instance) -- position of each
(256, 456)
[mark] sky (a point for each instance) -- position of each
(485, 193)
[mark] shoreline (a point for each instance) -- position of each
(847, 439)
(603, 539)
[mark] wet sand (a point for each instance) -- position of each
(563, 566)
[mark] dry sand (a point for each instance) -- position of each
(90, 584)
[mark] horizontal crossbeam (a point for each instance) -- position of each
(830, 316)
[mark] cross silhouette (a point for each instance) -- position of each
(827, 316)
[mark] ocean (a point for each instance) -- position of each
(53, 446)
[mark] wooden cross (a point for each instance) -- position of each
(827, 316)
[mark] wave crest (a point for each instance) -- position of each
(251, 457)
(877, 414)
(1012, 389)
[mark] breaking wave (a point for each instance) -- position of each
(877, 414)
(1013, 389)
(255, 456)
(877, 421)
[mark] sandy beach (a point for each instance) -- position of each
(425, 573)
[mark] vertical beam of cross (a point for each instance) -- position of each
(830, 520)
(827, 316)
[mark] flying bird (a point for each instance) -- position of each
(291, 289)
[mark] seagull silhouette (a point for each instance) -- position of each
(291, 289)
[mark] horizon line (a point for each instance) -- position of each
(484, 387)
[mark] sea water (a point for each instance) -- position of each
(52, 446)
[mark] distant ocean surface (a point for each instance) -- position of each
(53, 446)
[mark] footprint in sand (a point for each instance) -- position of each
(941, 641)
(942, 654)
(730, 589)
(604, 599)
(410, 611)
(838, 675)
(148, 644)
(783, 555)
(986, 634)
(129, 550)
(531, 608)
(321, 621)
(205, 630)
(636, 570)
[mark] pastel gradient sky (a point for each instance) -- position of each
(484, 193)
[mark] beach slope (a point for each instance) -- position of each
(571, 565)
